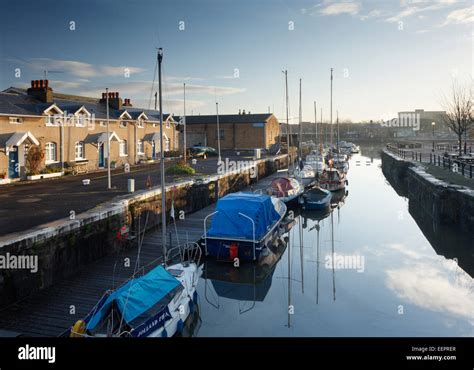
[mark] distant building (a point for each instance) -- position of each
(237, 131)
(419, 123)
(72, 129)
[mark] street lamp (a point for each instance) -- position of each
(433, 126)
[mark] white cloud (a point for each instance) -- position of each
(79, 69)
(460, 16)
(346, 7)
(412, 7)
(430, 287)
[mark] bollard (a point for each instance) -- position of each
(131, 185)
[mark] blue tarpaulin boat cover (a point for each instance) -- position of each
(137, 296)
(227, 223)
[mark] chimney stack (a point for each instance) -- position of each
(40, 90)
(126, 103)
(115, 101)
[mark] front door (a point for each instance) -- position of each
(101, 155)
(153, 149)
(13, 167)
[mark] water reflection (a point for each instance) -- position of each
(300, 293)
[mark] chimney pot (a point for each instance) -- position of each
(46, 83)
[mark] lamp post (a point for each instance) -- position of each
(433, 126)
(109, 177)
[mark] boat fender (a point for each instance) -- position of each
(179, 327)
(195, 297)
(164, 333)
(79, 329)
(191, 306)
(347, 182)
(233, 251)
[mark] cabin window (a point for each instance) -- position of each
(50, 152)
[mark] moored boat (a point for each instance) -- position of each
(316, 198)
(243, 226)
(287, 189)
(332, 179)
(153, 305)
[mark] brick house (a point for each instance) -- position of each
(237, 131)
(72, 129)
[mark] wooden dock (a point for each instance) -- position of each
(51, 311)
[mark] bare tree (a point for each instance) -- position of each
(459, 111)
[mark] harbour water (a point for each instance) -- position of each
(386, 279)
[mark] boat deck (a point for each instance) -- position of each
(51, 311)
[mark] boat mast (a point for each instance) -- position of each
(184, 120)
(337, 121)
(321, 131)
(330, 122)
(162, 161)
(315, 123)
(287, 120)
(300, 128)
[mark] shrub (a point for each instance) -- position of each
(180, 168)
(34, 159)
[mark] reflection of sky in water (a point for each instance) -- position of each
(401, 269)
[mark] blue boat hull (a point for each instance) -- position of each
(247, 250)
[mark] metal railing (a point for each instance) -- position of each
(454, 165)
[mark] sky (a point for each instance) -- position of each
(387, 55)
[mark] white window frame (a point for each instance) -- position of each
(168, 125)
(83, 154)
(140, 147)
(102, 123)
(15, 120)
(81, 120)
(50, 121)
(123, 123)
(50, 148)
(167, 144)
(123, 149)
(140, 123)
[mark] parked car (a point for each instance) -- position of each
(199, 151)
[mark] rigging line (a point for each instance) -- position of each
(152, 84)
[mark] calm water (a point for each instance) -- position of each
(402, 288)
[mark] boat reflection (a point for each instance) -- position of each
(249, 282)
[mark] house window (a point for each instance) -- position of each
(81, 120)
(167, 144)
(103, 123)
(16, 120)
(221, 134)
(140, 147)
(50, 121)
(140, 123)
(50, 152)
(123, 148)
(79, 150)
(168, 124)
(123, 124)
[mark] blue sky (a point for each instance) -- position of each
(387, 55)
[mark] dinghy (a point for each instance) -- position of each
(316, 198)
(287, 189)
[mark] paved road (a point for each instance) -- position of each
(28, 204)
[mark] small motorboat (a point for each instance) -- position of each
(316, 198)
(332, 179)
(153, 305)
(287, 189)
(243, 226)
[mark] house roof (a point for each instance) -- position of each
(15, 101)
(229, 118)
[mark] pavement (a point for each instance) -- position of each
(28, 204)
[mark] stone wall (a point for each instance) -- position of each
(63, 247)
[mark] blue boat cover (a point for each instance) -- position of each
(137, 296)
(227, 223)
